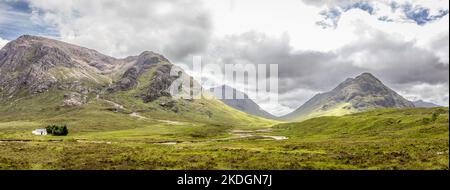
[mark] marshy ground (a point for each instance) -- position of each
(380, 139)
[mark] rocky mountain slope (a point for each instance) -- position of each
(34, 65)
(246, 104)
(41, 77)
(423, 104)
(353, 95)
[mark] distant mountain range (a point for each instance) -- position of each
(353, 95)
(246, 105)
(358, 94)
(70, 76)
(423, 104)
(44, 78)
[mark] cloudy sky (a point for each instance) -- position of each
(316, 43)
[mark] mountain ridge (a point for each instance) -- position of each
(58, 78)
(361, 93)
(424, 104)
(33, 65)
(246, 104)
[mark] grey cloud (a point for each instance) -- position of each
(297, 69)
(330, 3)
(436, 93)
(400, 64)
(440, 45)
(397, 61)
(176, 28)
(441, 42)
(187, 31)
(3, 42)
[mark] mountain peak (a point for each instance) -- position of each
(146, 53)
(150, 57)
(41, 46)
(26, 37)
(423, 104)
(367, 77)
(364, 81)
(30, 37)
(29, 40)
(36, 65)
(357, 94)
(39, 63)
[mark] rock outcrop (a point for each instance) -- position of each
(36, 65)
(73, 99)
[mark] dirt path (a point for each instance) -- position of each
(137, 115)
(134, 114)
(116, 105)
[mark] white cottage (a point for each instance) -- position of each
(40, 132)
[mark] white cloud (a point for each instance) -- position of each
(405, 55)
(438, 93)
(3, 42)
(298, 20)
(175, 28)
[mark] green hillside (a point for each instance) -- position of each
(116, 112)
(379, 124)
(415, 138)
(362, 93)
(45, 82)
(120, 115)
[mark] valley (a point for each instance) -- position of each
(379, 139)
(120, 116)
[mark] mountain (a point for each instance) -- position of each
(423, 104)
(246, 105)
(358, 94)
(35, 64)
(48, 80)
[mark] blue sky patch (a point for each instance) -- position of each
(385, 18)
(16, 21)
(360, 5)
(331, 17)
(421, 15)
(417, 14)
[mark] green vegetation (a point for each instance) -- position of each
(57, 130)
(336, 110)
(134, 124)
(378, 139)
(380, 124)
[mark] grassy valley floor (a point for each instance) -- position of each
(381, 139)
